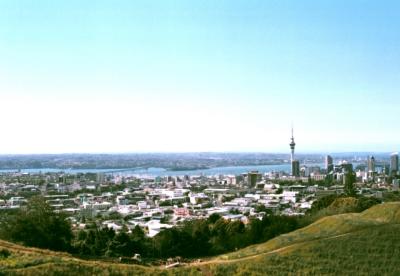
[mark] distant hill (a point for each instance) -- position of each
(172, 161)
(366, 243)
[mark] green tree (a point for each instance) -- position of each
(219, 236)
(138, 238)
(121, 245)
(322, 203)
(349, 188)
(173, 242)
(38, 225)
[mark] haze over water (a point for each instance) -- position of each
(153, 172)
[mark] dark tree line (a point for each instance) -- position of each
(361, 203)
(197, 238)
(39, 226)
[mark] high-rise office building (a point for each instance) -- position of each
(346, 168)
(371, 164)
(252, 178)
(295, 168)
(328, 163)
(394, 163)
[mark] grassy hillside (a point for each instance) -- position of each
(19, 260)
(373, 251)
(367, 243)
(327, 227)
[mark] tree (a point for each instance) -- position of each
(200, 232)
(261, 208)
(121, 245)
(364, 203)
(349, 188)
(219, 236)
(213, 218)
(38, 225)
(173, 242)
(235, 235)
(322, 203)
(138, 238)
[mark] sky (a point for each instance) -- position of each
(187, 76)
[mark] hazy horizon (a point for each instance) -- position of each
(208, 76)
(203, 152)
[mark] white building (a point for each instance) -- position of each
(290, 196)
(154, 227)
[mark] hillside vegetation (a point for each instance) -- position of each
(366, 243)
(327, 227)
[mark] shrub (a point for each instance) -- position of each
(4, 253)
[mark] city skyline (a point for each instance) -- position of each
(168, 76)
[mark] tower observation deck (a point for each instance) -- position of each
(292, 146)
(295, 164)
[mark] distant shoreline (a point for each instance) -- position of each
(161, 172)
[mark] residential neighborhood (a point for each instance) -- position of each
(156, 203)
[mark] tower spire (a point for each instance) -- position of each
(294, 163)
(292, 132)
(292, 146)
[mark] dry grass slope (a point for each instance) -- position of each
(326, 227)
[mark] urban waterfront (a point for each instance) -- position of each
(154, 172)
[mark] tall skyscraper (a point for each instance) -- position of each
(328, 163)
(371, 164)
(295, 168)
(394, 163)
(252, 178)
(295, 165)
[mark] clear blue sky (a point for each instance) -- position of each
(125, 76)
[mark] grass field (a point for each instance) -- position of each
(367, 243)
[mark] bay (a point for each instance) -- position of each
(154, 172)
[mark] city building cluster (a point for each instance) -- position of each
(156, 203)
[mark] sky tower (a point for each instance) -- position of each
(295, 164)
(292, 145)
